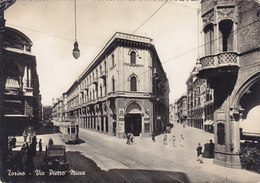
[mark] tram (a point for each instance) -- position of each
(69, 131)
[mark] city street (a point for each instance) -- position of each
(102, 158)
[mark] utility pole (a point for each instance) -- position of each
(4, 4)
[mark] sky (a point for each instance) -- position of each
(50, 24)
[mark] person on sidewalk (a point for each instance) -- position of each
(199, 153)
(165, 139)
(128, 138)
(182, 141)
(40, 146)
(173, 140)
(211, 149)
(50, 142)
(153, 137)
(131, 138)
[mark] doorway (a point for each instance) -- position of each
(133, 124)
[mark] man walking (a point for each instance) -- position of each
(199, 153)
(40, 146)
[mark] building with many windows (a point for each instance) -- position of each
(22, 100)
(200, 103)
(181, 109)
(124, 89)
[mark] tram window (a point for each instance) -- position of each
(68, 130)
(73, 130)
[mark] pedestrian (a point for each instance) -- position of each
(25, 135)
(50, 142)
(128, 138)
(153, 137)
(141, 136)
(182, 141)
(199, 153)
(211, 149)
(165, 139)
(173, 140)
(24, 150)
(40, 146)
(34, 144)
(131, 138)
(29, 161)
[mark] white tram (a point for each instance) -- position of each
(69, 132)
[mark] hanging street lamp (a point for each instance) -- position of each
(76, 51)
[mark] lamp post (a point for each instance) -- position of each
(4, 4)
(76, 51)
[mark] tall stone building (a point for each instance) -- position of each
(22, 100)
(200, 103)
(124, 89)
(231, 65)
(181, 109)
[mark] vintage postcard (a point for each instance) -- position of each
(140, 91)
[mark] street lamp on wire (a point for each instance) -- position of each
(76, 51)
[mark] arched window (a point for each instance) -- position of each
(105, 65)
(209, 39)
(133, 84)
(226, 35)
(113, 60)
(113, 84)
(133, 57)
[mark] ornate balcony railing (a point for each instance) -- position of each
(227, 58)
(219, 60)
(207, 61)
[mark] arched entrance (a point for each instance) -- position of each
(249, 102)
(133, 119)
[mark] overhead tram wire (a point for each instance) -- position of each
(53, 35)
(150, 17)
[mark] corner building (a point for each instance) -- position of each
(22, 99)
(231, 65)
(124, 89)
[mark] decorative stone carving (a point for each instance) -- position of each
(208, 18)
(225, 13)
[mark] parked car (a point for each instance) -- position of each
(55, 160)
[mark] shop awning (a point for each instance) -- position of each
(211, 122)
(206, 122)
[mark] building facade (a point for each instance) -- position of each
(22, 100)
(231, 64)
(181, 109)
(200, 103)
(124, 89)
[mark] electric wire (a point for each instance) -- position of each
(150, 17)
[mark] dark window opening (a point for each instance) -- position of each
(133, 84)
(113, 84)
(133, 57)
(113, 60)
(226, 35)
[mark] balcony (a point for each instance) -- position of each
(210, 65)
